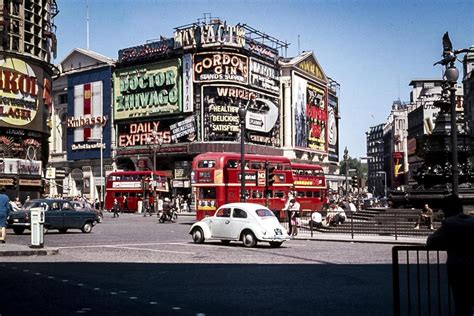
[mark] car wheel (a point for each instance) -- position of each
(87, 228)
(18, 230)
(225, 242)
(249, 239)
(63, 230)
(275, 244)
(198, 235)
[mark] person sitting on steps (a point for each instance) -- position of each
(425, 216)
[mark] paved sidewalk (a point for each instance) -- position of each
(12, 250)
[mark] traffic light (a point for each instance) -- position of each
(355, 182)
(270, 176)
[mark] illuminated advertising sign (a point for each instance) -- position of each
(311, 115)
(265, 76)
(333, 128)
(261, 50)
(208, 35)
(145, 51)
(147, 90)
(221, 66)
(25, 91)
(188, 89)
(88, 119)
(21, 144)
(398, 168)
(167, 132)
(221, 119)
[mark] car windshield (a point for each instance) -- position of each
(30, 204)
(264, 213)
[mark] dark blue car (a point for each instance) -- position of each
(59, 214)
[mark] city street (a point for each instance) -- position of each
(133, 265)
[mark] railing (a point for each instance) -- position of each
(385, 222)
(420, 282)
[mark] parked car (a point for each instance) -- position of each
(86, 206)
(59, 214)
(246, 222)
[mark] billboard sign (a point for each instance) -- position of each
(25, 95)
(333, 128)
(146, 51)
(221, 120)
(264, 76)
(147, 90)
(216, 33)
(220, 66)
(89, 121)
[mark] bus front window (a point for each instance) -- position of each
(207, 193)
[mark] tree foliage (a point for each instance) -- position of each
(353, 163)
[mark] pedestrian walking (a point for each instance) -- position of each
(146, 206)
(294, 209)
(125, 204)
(5, 209)
(116, 208)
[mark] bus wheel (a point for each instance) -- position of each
(249, 239)
(198, 235)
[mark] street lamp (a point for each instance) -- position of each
(157, 141)
(100, 141)
(384, 182)
(242, 113)
(346, 155)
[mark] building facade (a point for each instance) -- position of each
(81, 125)
(376, 177)
(172, 99)
(27, 45)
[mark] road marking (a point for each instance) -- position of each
(155, 250)
(122, 245)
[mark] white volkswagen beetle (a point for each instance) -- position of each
(247, 222)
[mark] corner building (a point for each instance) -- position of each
(176, 98)
(27, 44)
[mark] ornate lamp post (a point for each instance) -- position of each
(346, 155)
(242, 114)
(451, 74)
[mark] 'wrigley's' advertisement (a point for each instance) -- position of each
(221, 120)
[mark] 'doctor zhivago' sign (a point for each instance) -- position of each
(148, 90)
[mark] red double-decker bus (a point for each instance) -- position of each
(134, 185)
(309, 186)
(216, 180)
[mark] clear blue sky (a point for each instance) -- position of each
(372, 48)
